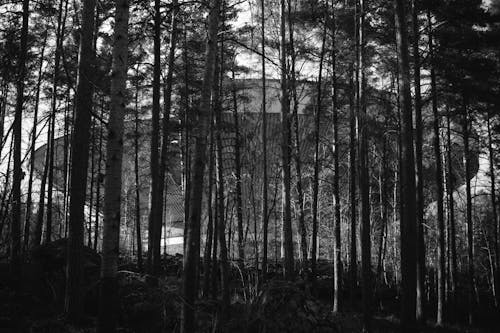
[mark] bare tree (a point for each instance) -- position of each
(79, 165)
(440, 190)
(419, 170)
(337, 262)
(285, 148)
(15, 228)
(155, 216)
(407, 178)
(192, 237)
(113, 181)
(265, 214)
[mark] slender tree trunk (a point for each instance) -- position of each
(285, 150)
(37, 234)
(353, 255)
(468, 214)
(207, 262)
(420, 315)
(99, 182)
(167, 101)
(298, 164)
(51, 144)
(364, 183)
(237, 172)
(317, 121)
(79, 165)
(451, 216)
(192, 247)
(337, 261)
(220, 218)
(15, 228)
(408, 204)
(383, 209)
(29, 203)
(265, 215)
(113, 182)
(138, 214)
(491, 153)
(187, 130)
(215, 236)
(154, 230)
(66, 158)
(441, 271)
(3, 108)
(92, 181)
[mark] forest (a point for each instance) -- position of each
(249, 166)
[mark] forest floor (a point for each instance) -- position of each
(150, 304)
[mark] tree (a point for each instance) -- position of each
(237, 172)
(440, 189)
(407, 182)
(298, 164)
(136, 174)
(29, 202)
(15, 228)
(364, 183)
(419, 169)
(265, 214)
(317, 120)
(337, 262)
(192, 237)
(113, 180)
(51, 142)
(155, 215)
(285, 148)
(353, 253)
(167, 101)
(496, 274)
(79, 165)
(468, 208)
(220, 184)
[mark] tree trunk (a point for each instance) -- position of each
(15, 228)
(408, 204)
(79, 165)
(66, 159)
(285, 150)
(491, 153)
(215, 236)
(220, 218)
(138, 214)
(265, 215)
(27, 221)
(383, 209)
(451, 212)
(113, 181)
(298, 165)
(420, 315)
(155, 216)
(207, 256)
(192, 247)
(353, 255)
(167, 101)
(317, 121)
(468, 214)
(364, 183)
(337, 262)
(237, 172)
(439, 189)
(37, 234)
(51, 144)
(92, 181)
(99, 182)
